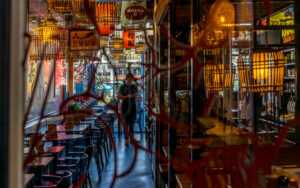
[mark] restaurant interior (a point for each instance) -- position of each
(216, 96)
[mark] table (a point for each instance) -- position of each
(41, 165)
(40, 162)
(28, 179)
(91, 118)
(54, 150)
(77, 128)
(48, 150)
(183, 181)
(87, 122)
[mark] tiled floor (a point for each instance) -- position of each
(141, 174)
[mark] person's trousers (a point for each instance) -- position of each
(129, 119)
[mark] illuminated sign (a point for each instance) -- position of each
(285, 17)
(83, 40)
(288, 35)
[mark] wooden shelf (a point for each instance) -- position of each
(289, 78)
(289, 64)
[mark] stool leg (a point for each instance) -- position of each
(98, 166)
(101, 158)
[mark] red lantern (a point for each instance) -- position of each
(106, 14)
(129, 39)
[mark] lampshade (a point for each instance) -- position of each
(107, 17)
(106, 14)
(215, 26)
(217, 78)
(47, 41)
(64, 6)
(221, 16)
(267, 71)
(129, 39)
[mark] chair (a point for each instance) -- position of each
(71, 164)
(85, 155)
(60, 180)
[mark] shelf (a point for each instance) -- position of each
(289, 64)
(289, 78)
(287, 91)
(289, 50)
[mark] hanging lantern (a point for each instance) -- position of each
(104, 41)
(221, 16)
(116, 45)
(107, 17)
(215, 26)
(267, 71)
(47, 41)
(64, 6)
(79, 13)
(217, 78)
(106, 14)
(129, 39)
(140, 47)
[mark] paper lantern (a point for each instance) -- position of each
(267, 71)
(129, 39)
(260, 65)
(64, 6)
(217, 78)
(106, 15)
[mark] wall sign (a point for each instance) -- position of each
(83, 40)
(133, 12)
(287, 35)
(285, 17)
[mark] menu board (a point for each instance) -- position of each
(285, 17)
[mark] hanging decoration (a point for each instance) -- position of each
(267, 72)
(129, 39)
(221, 16)
(116, 45)
(79, 12)
(218, 78)
(106, 14)
(47, 41)
(64, 6)
(107, 17)
(215, 26)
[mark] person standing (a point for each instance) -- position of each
(127, 93)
